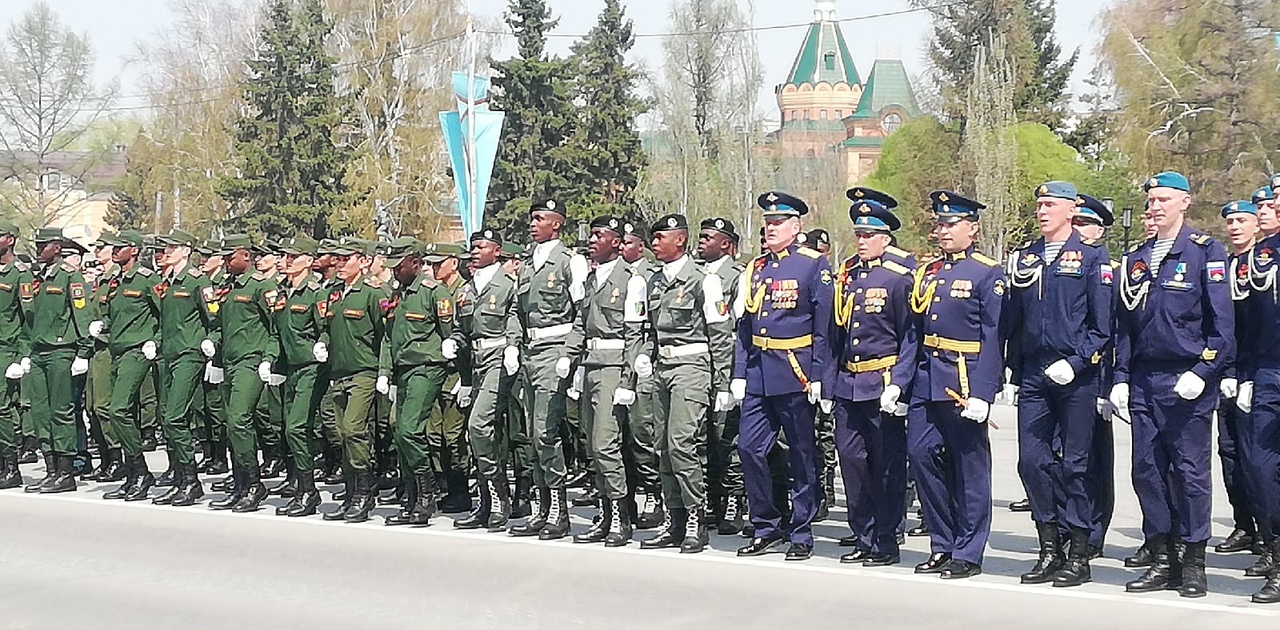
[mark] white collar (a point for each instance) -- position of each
(542, 252)
(672, 269)
(484, 275)
(715, 265)
(603, 270)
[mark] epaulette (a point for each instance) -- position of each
(145, 272)
(809, 253)
(431, 283)
(897, 251)
(68, 267)
(21, 266)
(195, 272)
(373, 281)
(258, 275)
(313, 285)
(1026, 245)
(1201, 239)
(739, 267)
(984, 259)
(893, 266)
(1133, 248)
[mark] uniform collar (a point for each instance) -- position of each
(961, 255)
(604, 270)
(672, 269)
(542, 252)
(865, 264)
(483, 276)
(789, 250)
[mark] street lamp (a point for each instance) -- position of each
(1126, 220)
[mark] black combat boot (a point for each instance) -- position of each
(365, 500)
(149, 440)
(1270, 592)
(458, 497)
(424, 507)
(65, 480)
(190, 490)
(520, 502)
(1076, 570)
(1051, 559)
(10, 477)
(348, 496)
(540, 507)
(557, 525)
(405, 515)
(234, 493)
(113, 469)
(1194, 581)
(672, 533)
(1140, 558)
(165, 480)
(1159, 576)
(143, 479)
(499, 503)
(219, 464)
(1239, 540)
(307, 500)
(478, 517)
(273, 463)
(27, 454)
(651, 513)
(734, 513)
(206, 454)
(254, 491)
(175, 487)
(50, 472)
(620, 529)
(695, 533)
(130, 479)
(600, 527)
(1265, 564)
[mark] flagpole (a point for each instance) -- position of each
(472, 174)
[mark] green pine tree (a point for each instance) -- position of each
(292, 169)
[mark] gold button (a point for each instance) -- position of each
(937, 299)
(764, 330)
(857, 358)
(857, 308)
(768, 280)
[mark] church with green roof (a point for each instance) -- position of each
(826, 106)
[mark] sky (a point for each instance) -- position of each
(116, 26)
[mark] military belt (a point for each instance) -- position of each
(954, 345)
(606, 344)
(491, 343)
(686, 350)
(773, 343)
(873, 365)
(548, 332)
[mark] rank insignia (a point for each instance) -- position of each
(613, 297)
(322, 307)
(160, 288)
(77, 295)
(1106, 274)
(1030, 259)
(999, 287)
(444, 308)
(826, 276)
(640, 309)
(1217, 271)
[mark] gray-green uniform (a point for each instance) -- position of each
(691, 351)
(725, 490)
(419, 318)
(643, 462)
(447, 428)
(487, 326)
(611, 324)
(14, 347)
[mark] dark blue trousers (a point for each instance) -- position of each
(1232, 455)
(1055, 441)
(873, 465)
(763, 418)
(1172, 453)
(1102, 475)
(1259, 443)
(951, 461)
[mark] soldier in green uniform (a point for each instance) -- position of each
(642, 461)
(211, 421)
(487, 325)
(726, 495)
(690, 353)
(447, 427)
(184, 328)
(15, 351)
(98, 382)
(268, 418)
(355, 335)
(245, 309)
(58, 302)
(130, 324)
(611, 323)
(326, 433)
(517, 445)
(304, 336)
(386, 471)
(549, 287)
(412, 369)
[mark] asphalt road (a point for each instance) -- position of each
(78, 561)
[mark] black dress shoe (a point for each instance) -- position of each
(881, 560)
(960, 569)
(799, 551)
(1020, 506)
(918, 530)
(855, 556)
(1140, 558)
(759, 546)
(935, 564)
(1238, 541)
(1095, 552)
(849, 541)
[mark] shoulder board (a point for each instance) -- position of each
(258, 275)
(68, 267)
(145, 272)
(1133, 248)
(21, 266)
(984, 259)
(1026, 245)
(897, 251)
(1201, 239)
(194, 272)
(739, 267)
(373, 281)
(430, 282)
(313, 285)
(896, 268)
(1091, 242)
(810, 253)
(1115, 263)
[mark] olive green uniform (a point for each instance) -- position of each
(302, 324)
(245, 310)
(268, 417)
(211, 418)
(643, 460)
(355, 334)
(184, 324)
(60, 316)
(447, 426)
(131, 318)
(98, 385)
(14, 346)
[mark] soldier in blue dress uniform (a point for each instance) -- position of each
(782, 360)
(872, 317)
(956, 301)
(1175, 336)
(1058, 326)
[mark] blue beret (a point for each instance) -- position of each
(1237, 207)
(1167, 179)
(952, 207)
(781, 204)
(1266, 193)
(1275, 181)
(1093, 208)
(859, 194)
(1057, 190)
(873, 216)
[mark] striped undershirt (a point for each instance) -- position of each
(1051, 251)
(1158, 253)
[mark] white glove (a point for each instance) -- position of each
(1189, 386)
(826, 406)
(1060, 372)
(643, 366)
(1120, 398)
(207, 348)
(738, 387)
(511, 360)
(815, 392)
(213, 374)
(463, 397)
(449, 348)
(889, 399)
(579, 377)
(1229, 387)
(562, 367)
(392, 392)
(724, 402)
(976, 409)
(1244, 399)
(383, 385)
(264, 371)
(1105, 409)
(320, 352)
(573, 394)
(1010, 393)
(79, 366)
(276, 380)
(95, 328)
(900, 410)
(14, 371)
(26, 365)
(149, 350)
(623, 396)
